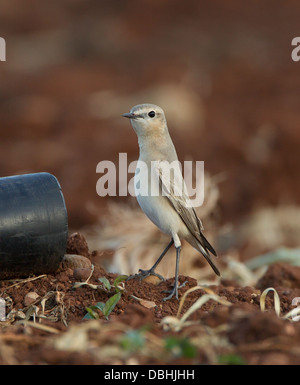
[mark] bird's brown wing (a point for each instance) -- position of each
(175, 191)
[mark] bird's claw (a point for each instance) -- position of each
(142, 274)
(173, 291)
(146, 273)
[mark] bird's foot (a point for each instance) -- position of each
(173, 291)
(142, 274)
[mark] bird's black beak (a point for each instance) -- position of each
(129, 115)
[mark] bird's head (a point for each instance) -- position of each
(147, 119)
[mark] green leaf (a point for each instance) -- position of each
(91, 313)
(180, 347)
(100, 306)
(231, 359)
(119, 279)
(110, 304)
(105, 282)
(133, 340)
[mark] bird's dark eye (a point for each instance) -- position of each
(151, 114)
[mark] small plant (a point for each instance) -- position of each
(231, 359)
(107, 307)
(180, 347)
(133, 340)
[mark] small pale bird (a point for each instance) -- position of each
(164, 199)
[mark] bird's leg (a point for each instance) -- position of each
(145, 273)
(152, 270)
(175, 287)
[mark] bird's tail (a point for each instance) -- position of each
(205, 247)
(207, 244)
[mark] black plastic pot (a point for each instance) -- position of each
(33, 225)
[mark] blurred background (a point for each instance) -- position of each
(221, 70)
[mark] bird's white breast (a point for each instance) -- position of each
(156, 207)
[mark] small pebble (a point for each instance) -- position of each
(30, 297)
(153, 279)
(81, 273)
(74, 261)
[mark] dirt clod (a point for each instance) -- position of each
(77, 245)
(280, 275)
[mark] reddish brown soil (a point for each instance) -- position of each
(240, 333)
